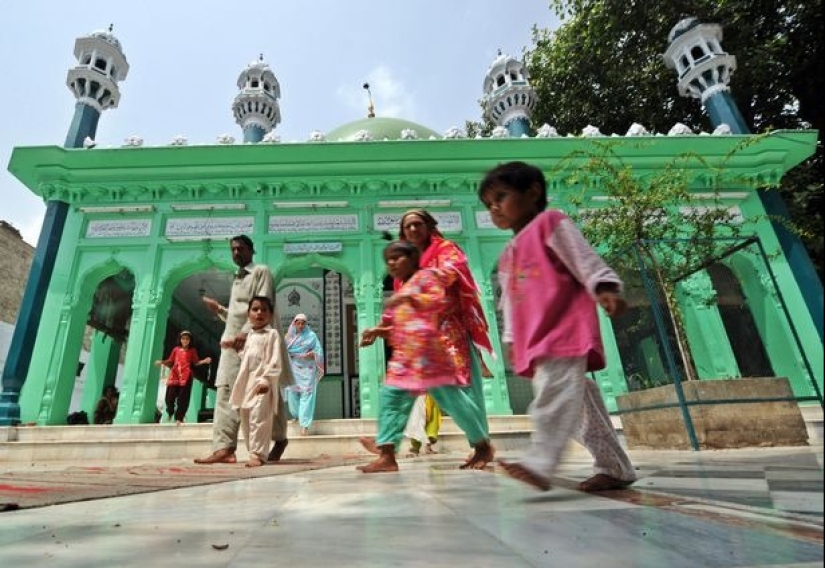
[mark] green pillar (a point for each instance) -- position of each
(611, 379)
(195, 398)
(496, 394)
(47, 392)
(140, 386)
(710, 347)
(652, 367)
(369, 302)
(368, 299)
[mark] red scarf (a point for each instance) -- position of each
(442, 253)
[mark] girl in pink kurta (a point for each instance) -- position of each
(551, 280)
(420, 362)
(264, 371)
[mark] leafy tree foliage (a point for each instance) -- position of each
(647, 224)
(603, 66)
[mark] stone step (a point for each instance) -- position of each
(96, 443)
(305, 447)
(88, 433)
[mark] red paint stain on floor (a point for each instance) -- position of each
(21, 489)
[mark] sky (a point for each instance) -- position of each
(425, 61)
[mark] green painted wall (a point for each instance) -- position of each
(131, 208)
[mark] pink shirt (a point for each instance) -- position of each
(421, 357)
(548, 275)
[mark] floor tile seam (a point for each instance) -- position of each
(761, 511)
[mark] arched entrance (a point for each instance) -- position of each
(104, 342)
(322, 289)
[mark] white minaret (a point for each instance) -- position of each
(100, 66)
(256, 107)
(509, 99)
(705, 70)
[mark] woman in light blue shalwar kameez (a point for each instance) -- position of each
(307, 358)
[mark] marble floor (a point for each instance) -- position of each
(743, 508)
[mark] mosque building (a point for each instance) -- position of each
(135, 236)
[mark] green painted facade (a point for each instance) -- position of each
(164, 214)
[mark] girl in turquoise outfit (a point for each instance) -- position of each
(419, 363)
(307, 358)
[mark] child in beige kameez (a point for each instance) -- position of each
(263, 372)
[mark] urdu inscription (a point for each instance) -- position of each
(312, 223)
(120, 228)
(449, 221)
(211, 227)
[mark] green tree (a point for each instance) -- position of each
(603, 66)
(647, 216)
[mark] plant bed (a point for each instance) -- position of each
(726, 413)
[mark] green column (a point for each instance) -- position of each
(194, 402)
(611, 379)
(369, 301)
(712, 353)
(496, 393)
(47, 392)
(139, 392)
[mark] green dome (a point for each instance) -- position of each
(379, 129)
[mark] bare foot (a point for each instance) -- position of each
(428, 449)
(254, 461)
(521, 473)
(224, 455)
(603, 482)
(482, 455)
(412, 453)
(384, 464)
(304, 431)
(369, 445)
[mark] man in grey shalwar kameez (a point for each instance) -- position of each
(250, 280)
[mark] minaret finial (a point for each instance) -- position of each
(261, 57)
(370, 107)
(111, 27)
(499, 51)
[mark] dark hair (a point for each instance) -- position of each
(518, 176)
(406, 248)
(262, 299)
(245, 240)
(430, 222)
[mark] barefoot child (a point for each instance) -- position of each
(419, 362)
(263, 372)
(551, 280)
(179, 381)
(423, 426)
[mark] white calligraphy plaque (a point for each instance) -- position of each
(483, 220)
(448, 221)
(209, 227)
(312, 223)
(305, 248)
(122, 228)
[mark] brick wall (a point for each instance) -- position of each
(15, 261)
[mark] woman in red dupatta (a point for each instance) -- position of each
(463, 325)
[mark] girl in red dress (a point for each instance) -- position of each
(179, 382)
